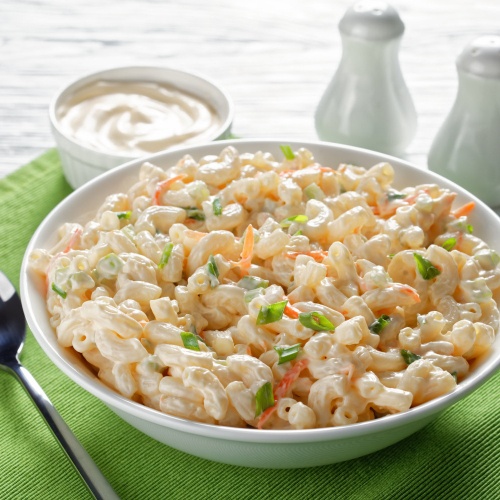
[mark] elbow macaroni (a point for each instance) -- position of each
(158, 263)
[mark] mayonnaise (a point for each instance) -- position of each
(135, 118)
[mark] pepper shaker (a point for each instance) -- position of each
(367, 103)
(466, 149)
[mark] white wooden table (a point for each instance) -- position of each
(274, 57)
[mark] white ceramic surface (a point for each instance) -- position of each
(248, 447)
(466, 149)
(367, 103)
(81, 163)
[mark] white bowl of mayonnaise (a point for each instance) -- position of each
(113, 116)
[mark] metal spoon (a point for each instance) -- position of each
(12, 335)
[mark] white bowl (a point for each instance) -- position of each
(81, 163)
(248, 447)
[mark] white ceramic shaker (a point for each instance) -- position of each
(367, 103)
(466, 149)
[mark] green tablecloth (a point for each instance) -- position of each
(457, 456)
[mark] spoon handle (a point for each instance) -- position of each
(85, 466)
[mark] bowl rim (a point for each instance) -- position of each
(171, 72)
(116, 401)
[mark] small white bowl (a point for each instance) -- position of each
(81, 163)
(248, 447)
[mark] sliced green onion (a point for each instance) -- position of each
(449, 244)
(252, 282)
(217, 207)
(314, 192)
(59, 291)
(165, 256)
(124, 215)
(316, 321)
(394, 195)
(380, 323)
(470, 228)
(287, 152)
(409, 356)
(194, 213)
(271, 313)
(251, 294)
(301, 219)
(190, 341)
(425, 267)
(298, 233)
(213, 271)
(288, 353)
(109, 266)
(264, 398)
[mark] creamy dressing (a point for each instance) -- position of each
(135, 118)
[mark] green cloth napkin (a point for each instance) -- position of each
(456, 456)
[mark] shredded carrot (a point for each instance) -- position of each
(266, 415)
(291, 312)
(408, 290)
(162, 186)
(76, 234)
(290, 377)
(282, 388)
(317, 255)
(464, 210)
(246, 254)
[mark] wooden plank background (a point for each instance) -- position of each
(274, 57)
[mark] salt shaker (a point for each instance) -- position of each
(367, 103)
(466, 149)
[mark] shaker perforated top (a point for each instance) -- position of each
(372, 20)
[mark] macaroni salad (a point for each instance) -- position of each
(244, 290)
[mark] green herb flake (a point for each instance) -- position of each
(449, 244)
(379, 324)
(314, 192)
(124, 215)
(271, 313)
(194, 213)
(190, 341)
(394, 195)
(470, 228)
(301, 219)
(425, 267)
(316, 321)
(409, 356)
(59, 291)
(287, 353)
(251, 294)
(109, 266)
(264, 398)
(298, 233)
(287, 152)
(217, 207)
(252, 282)
(165, 256)
(213, 271)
